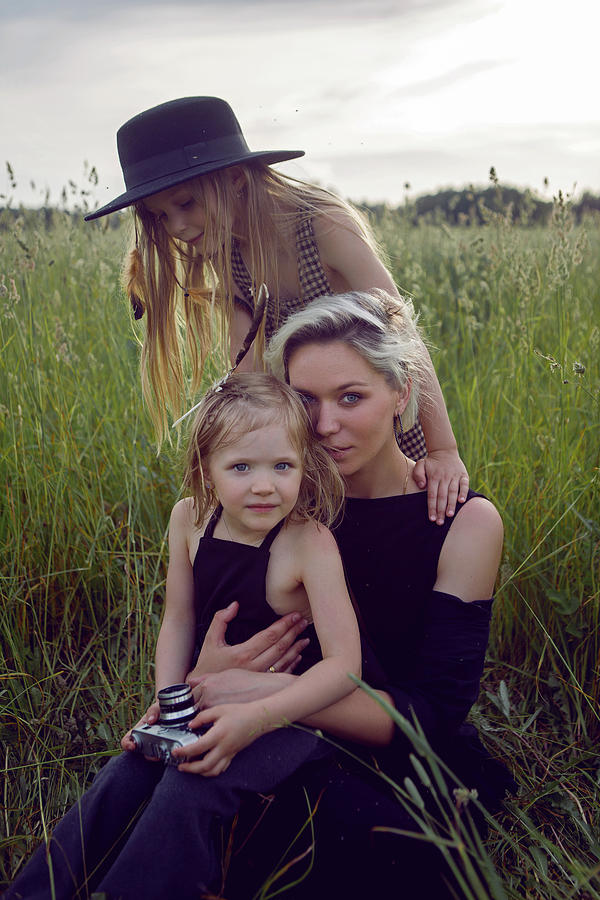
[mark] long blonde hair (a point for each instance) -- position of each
(241, 404)
(188, 298)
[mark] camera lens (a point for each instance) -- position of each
(176, 705)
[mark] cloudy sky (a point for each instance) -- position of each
(378, 92)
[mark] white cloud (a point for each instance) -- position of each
(439, 90)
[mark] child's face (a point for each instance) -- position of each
(257, 480)
(181, 214)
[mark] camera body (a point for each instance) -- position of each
(177, 708)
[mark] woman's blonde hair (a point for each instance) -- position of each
(241, 404)
(188, 298)
(381, 328)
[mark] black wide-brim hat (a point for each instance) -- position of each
(170, 143)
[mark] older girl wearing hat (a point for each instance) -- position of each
(213, 221)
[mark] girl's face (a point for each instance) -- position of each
(257, 479)
(352, 408)
(181, 213)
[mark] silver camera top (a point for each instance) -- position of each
(177, 708)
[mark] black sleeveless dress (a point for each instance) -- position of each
(225, 571)
(431, 645)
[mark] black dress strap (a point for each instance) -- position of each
(267, 541)
(212, 522)
(266, 544)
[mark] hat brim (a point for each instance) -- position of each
(166, 181)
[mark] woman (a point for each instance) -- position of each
(423, 593)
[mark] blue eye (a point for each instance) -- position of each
(306, 399)
(282, 466)
(351, 398)
(240, 467)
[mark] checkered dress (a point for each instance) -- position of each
(313, 284)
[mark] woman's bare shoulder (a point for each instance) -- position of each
(471, 552)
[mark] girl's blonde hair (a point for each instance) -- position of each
(188, 297)
(243, 403)
(381, 328)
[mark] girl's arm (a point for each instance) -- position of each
(356, 267)
(176, 638)
(236, 725)
(175, 644)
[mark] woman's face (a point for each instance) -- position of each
(352, 407)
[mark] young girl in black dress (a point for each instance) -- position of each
(251, 537)
(213, 221)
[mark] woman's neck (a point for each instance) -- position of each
(383, 478)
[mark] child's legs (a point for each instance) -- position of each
(171, 851)
(85, 840)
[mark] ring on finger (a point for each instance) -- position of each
(272, 669)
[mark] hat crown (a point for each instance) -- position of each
(175, 125)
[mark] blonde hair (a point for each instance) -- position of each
(243, 403)
(188, 298)
(381, 328)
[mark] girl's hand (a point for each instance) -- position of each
(447, 480)
(276, 646)
(233, 727)
(236, 686)
(149, 717)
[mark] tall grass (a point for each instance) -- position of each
(515, 314)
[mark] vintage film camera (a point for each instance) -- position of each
(176, 709)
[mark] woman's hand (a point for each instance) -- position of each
(447, 480)
(236, 686)
(275, 646)
(149, 717)
(233, 727)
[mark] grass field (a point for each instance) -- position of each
(515, 314)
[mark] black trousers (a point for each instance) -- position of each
(350, 857)
(147, 830)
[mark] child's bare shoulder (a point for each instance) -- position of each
(183, 517)
(309, 535)
(183, 529)
(182, 513)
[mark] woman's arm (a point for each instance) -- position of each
(470, 557)
(356, 717)
(317, 562)
(457, 614)
(356, 267)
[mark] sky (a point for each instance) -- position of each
(379, 93)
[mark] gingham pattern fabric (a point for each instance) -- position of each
(413, 442)
(313, 284)
(312, 278)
